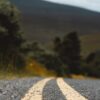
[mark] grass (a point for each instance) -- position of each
(13, 75)
(81, 77)
(38, 69)
(32, 69)
(24, 74)
(90, 43)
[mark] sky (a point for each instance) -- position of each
(93, 5)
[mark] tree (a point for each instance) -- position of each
(92, 64)
(10, 34)
(90, 57)
(70, 51)
(57, 45)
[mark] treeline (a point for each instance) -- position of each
(64, 59)
(11, 40)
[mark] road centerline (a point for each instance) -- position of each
(68, 91)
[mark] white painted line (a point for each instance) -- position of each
(35, 92)
(69, 92)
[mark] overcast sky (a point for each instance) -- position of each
(87, 4)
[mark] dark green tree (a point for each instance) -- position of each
(92, 64)
(10, 35)
(70, 52)
(57, 45)
(90, 57)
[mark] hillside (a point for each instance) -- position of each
(90, 43)
(42, 21)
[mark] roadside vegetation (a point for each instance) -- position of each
(21, 58)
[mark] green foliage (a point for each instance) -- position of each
(91, 57)
(57, 45)
(53, 63)
(10, 35)
(91, 65)
(65, 58)
(69, 51)
(33, 49)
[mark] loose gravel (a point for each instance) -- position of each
(51, 91)
(88, 88)
(16, 89)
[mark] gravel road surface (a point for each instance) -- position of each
(49, 89)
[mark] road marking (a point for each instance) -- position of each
(35, 92)
(69, 92)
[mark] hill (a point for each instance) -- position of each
(42, 21)
(90, 43)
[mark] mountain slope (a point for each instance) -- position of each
(42, 21)
(48, 18)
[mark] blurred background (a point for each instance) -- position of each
(49, 38)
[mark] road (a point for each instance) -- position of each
(49, 89)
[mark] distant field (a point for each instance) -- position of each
(90, 43)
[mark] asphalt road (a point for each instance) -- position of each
(49, 89)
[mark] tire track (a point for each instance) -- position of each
(68, 91)
(35, 92)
